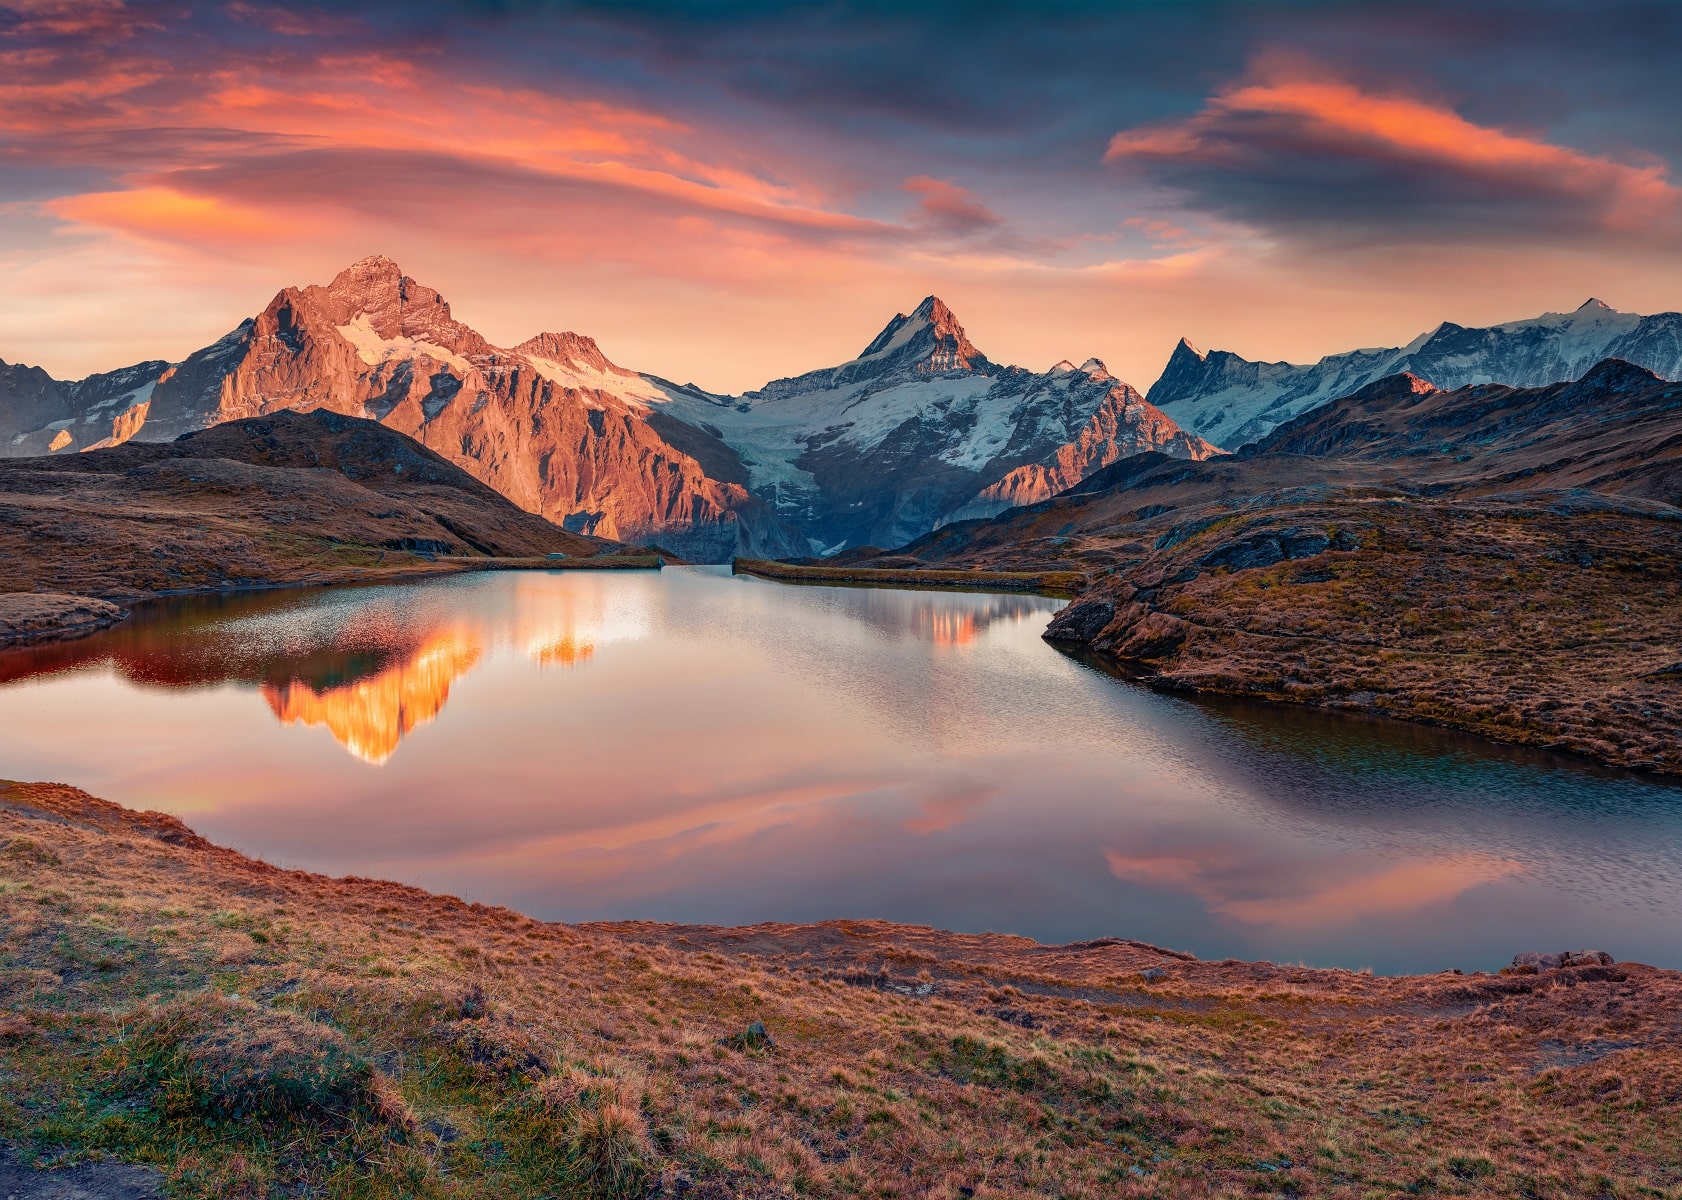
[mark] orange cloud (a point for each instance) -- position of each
(1290, 132)
(167, 214)
(382, 134)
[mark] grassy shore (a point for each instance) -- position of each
(1054, 583)
(256, 1032)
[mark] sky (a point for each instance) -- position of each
(734, 191)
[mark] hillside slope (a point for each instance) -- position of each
(285, 498)
(252, 1031)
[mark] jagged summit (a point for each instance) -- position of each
(574, 350)
(1594, 304)
(929, 334)
(373, 299)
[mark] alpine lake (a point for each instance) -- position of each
(697, 747)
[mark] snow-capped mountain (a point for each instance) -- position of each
(1232, 401)
(917, 430)
(921, 428)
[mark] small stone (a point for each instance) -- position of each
(754, 1037)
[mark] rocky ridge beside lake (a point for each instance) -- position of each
(1501, 560)
(284, 499)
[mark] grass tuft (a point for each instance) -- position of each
(612, 1150)
(226, 1057)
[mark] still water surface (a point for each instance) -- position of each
(692, 746)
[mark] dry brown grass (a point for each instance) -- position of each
(1544, 622)
(382, 1042)
(288, 498)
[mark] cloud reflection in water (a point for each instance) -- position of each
(691, 746)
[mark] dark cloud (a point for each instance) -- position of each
(1293, 149)
(1062, 73)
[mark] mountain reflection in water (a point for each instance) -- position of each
(369, 716)
(694, 746)
(368, 666)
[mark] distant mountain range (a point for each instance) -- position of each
(919, 429)
(1232, 401)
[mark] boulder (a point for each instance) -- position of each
(1534, 962)
(1081, 622)
(1585, 958)
(1151, 635)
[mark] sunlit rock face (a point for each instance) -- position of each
(371, 715)
(1123, 424)
(551, 425)
(42, 415)
(879, 449)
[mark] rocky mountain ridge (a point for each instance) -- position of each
(919, 428)
(1233, 401)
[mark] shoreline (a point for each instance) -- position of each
(16, 634)
(1059, 585)
(377, 1037)
(1154, 673)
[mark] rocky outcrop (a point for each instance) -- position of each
(1533, 962)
